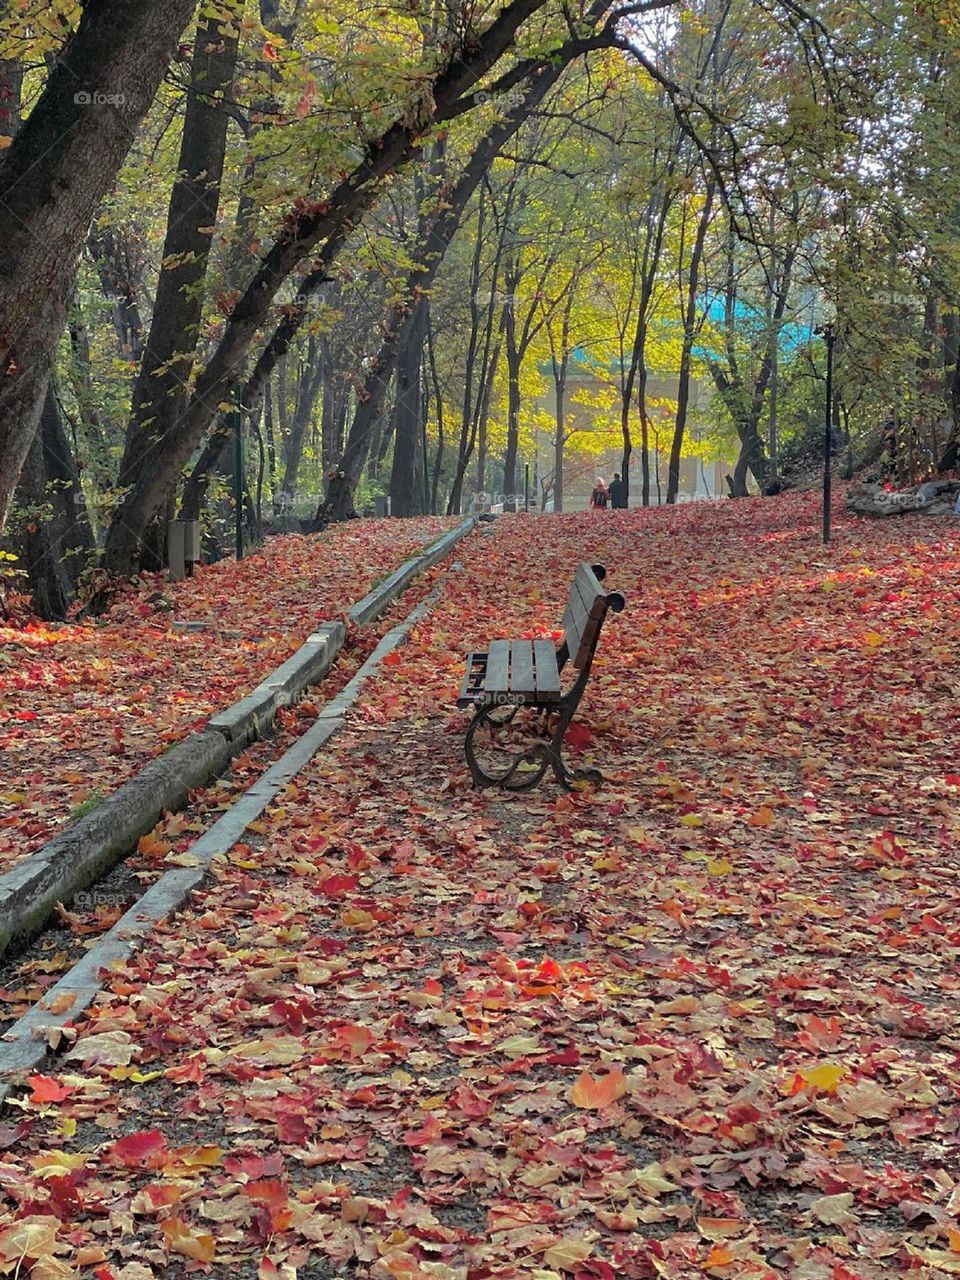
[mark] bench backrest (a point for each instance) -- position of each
(587, 606)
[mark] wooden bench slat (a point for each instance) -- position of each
(521, 667)
(546, 675)
(498, 667)
(581, 624)
(473, 680)
(584, 577)
(590, 632)
(586, 607)
(528, 672)
(574, 620)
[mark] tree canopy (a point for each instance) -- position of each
(431, 251)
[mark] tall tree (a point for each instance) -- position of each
(325, 222)
(52, 178)
(161, 391)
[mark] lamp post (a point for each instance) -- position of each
(830, 335)
(828, 331)
(238, 469)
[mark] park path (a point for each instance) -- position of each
(83, 707)
(702, 1022)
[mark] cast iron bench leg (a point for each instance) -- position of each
(539, 755)
(567, 777)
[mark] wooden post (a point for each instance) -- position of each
(175, 550)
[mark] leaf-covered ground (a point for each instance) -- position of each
(83, 707)
(700, 1023)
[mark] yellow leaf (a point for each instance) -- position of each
(357, 918)
(520, 1046)
(719, 1228)
(947, 1262)
(56, 1164)
(691, 820)
(434, 1103)
(652, 1180)
(280, 1051)
(874, 639)
(184, 859)
(180, 1239)
(719, 866)
(823, 1078)
(31, 1237)
(594, 1095)
(199, 1157)
(834, 1211)
(567, 1254)
(682, 1005)
(131, 1073)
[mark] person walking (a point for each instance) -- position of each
(600, 495)
(617, 492)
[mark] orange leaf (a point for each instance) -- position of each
(47, 1090)
(762, 818)
(720, 1255)
(180, 1239)
(594, 1095)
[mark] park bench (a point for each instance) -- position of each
(513, 674)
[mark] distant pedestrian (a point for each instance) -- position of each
(600, 495)
(617, 492)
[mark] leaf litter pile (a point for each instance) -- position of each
(83, 707)
(701, 1022)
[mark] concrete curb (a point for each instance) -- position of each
(25, 1045)
(248, 718)
(82, 852)
(76, 856)
(376, 602)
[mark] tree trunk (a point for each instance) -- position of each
(435, 233)
(438, 400)
(307, 392)
(122, 282)
(161, 391)
(738, 481)
(483, 407)
(407, 417)
(72, 529)
(644, 449)
(950, 458)
(686, 352)
(82, 127)
(329, 222)
(514, 360)
(560, 437)
(626, 404)
(35, 540)
(55, 541)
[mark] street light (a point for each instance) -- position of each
(828, 331)
(238, 469)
